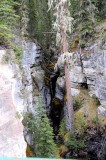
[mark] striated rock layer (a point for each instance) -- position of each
(12, 142)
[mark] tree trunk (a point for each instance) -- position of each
(68, 86)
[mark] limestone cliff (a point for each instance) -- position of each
(12, 143)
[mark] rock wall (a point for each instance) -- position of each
(87, 69)
(29, 83)
(12, 142)
(22, 82)
(33, 77)
(94, 68)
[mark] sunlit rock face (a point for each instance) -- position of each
(12, 143)
(94, 68)
(87, 70)
(21, 83)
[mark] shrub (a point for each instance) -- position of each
(73, 143)
(80, 124)
(18, 52)
(96, 101)
(95, 120)
(77, 103)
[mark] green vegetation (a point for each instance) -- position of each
(86, 22)
(86, 14)
(62, 129)
(8, 19)
(42, 132)
(74, 143)
(18, 52)
(70, 140)
(96, 101)
(80, 124)
(100, 9)
(39, 24)
(77, 103)
(95, 120)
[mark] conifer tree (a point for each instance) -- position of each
(86, 21)
(63, 25)
(101, 9)
(8, 19)
(39, 127)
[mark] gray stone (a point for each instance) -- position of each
(60, 87)
(101, 110)
(75, 92)
(95, 72)
(31, 55)
(91, 70)
(12, 143)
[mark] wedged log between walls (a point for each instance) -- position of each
(12, 142)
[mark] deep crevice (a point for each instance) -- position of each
(53, 85)
(56, 106)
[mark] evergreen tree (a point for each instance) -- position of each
(86, 21)
(8, 19)
(39, 127)
(101, 9)
(23, 13)
(45, 146)
(63, 25)
(40, 22)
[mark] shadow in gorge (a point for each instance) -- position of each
(56, 114)
(56, 106)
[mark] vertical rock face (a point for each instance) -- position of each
(94, 68)
(12, 142)
(87, 69)
(20, 85)
(29, 83)
(32, 77)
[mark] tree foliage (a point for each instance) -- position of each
(86, 14)
(62, 17)
(101, 9)
(8, 19)
(39, 22)
(74, 143)
(86, 21)
(39, 127)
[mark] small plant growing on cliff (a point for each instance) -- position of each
(18, 115)
(42, 132)
(77, 103)
(18, 52)
(80, 124)
(95, 120)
